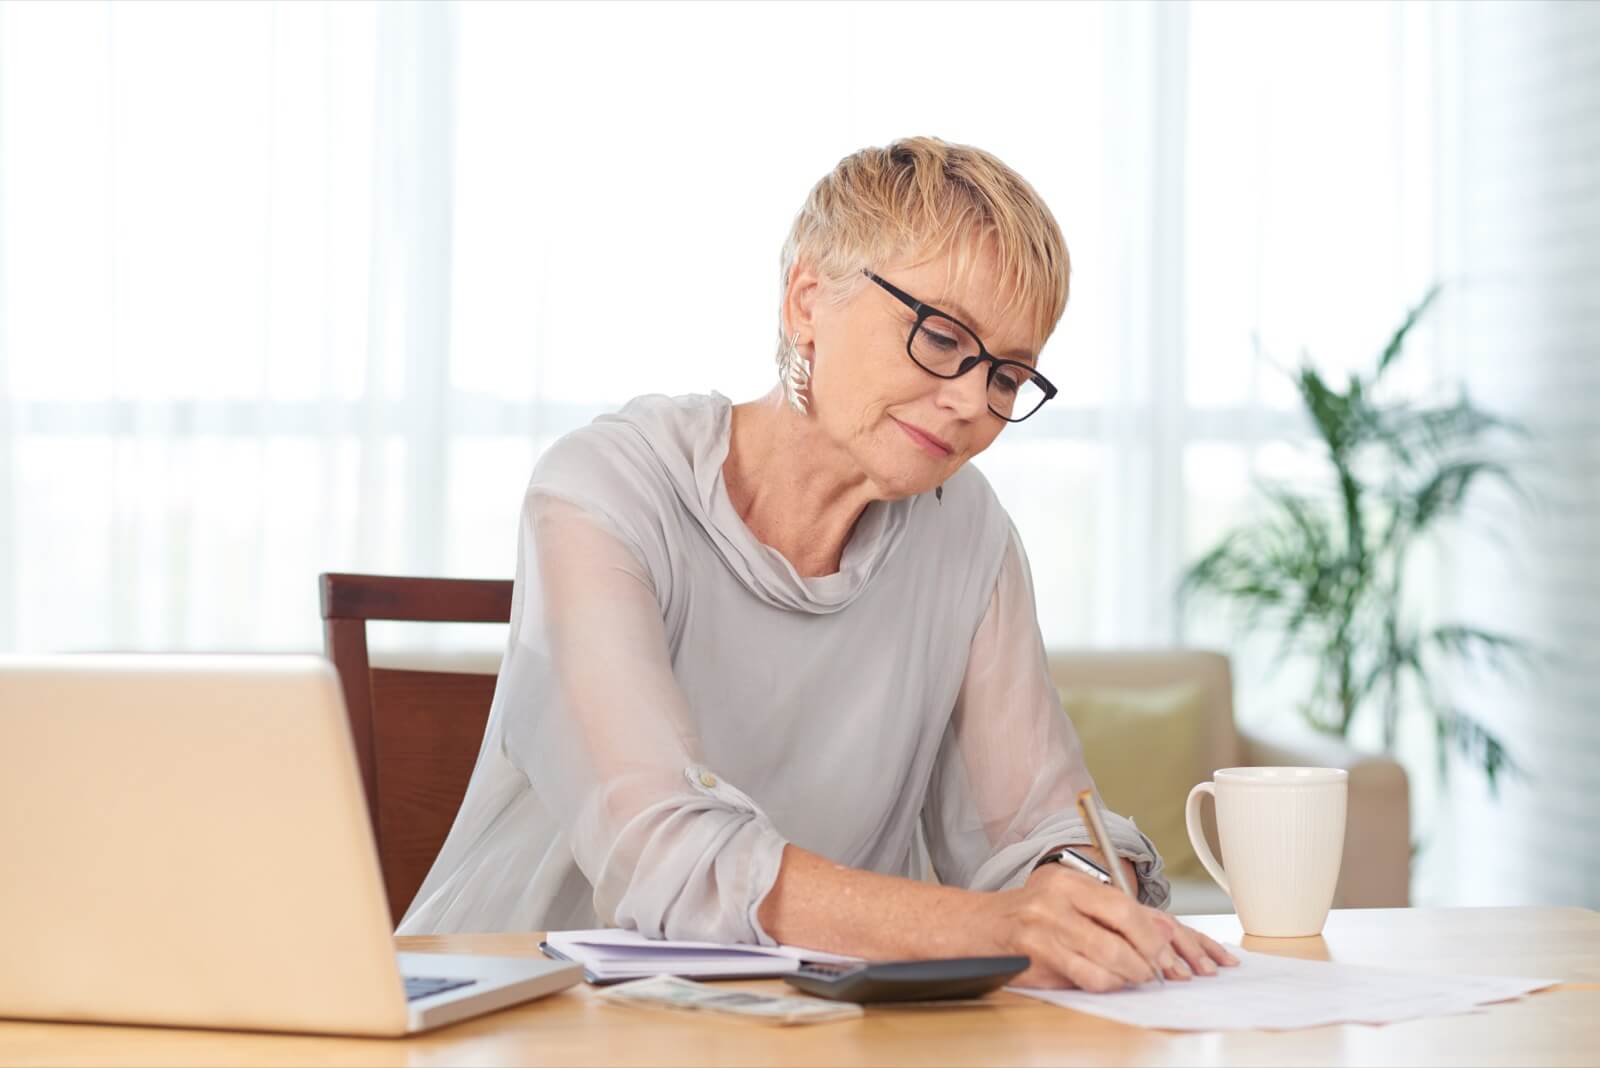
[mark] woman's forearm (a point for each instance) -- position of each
(822, 905)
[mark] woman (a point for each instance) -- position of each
(756, 648)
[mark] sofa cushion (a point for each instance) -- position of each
(1144, 748)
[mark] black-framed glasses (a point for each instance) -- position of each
(945, 347)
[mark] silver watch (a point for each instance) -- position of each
(1077, 862)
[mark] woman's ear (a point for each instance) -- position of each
(800, 301)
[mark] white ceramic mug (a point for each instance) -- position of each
(1282, 830)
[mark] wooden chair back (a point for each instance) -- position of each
(417, 732)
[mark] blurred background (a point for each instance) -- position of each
(296, 287)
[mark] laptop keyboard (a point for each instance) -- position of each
(421, 986)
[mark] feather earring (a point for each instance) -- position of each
(794, 372)
(938, 494)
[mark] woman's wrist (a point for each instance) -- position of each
(1095, 855)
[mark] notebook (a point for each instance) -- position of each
(609, 955)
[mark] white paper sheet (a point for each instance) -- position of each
(608, 953)
(1282, 993)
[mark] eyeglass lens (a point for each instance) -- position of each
(939, 346)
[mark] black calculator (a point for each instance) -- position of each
(908, 980)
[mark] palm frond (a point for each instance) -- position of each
(1502, 652)
(1477, 744)
(1413, 435)
(1328, 409)
(1444, 491)
(1393, 659)
(1398, 339)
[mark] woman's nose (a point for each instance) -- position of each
(967, 394)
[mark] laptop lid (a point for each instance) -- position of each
(186, 842)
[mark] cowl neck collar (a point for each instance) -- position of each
(688, 436)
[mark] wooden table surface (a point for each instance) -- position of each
(1558, 1026)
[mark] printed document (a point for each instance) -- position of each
(1282, 993)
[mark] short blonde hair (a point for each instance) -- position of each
(922, 197)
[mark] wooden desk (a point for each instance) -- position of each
(1560, 1026)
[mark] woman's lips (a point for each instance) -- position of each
(933, 445)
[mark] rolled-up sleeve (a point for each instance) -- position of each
(604, 735)
(1010, 766)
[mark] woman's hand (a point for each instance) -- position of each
(1083, 933)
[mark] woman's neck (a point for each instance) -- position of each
(796, 491)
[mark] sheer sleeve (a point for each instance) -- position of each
(1005, 785)
(604, 735)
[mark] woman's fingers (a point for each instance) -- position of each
(1087, 974)
(1058, 937)
(1214, 949)
(1198, 959)
(1141, 927)
(1202, 954)
(1173, 966)
(1156, 935)
(1060, 957)
(1108, 949)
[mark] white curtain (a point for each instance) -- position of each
(290, 287)
(1522, 210)
(198, 383)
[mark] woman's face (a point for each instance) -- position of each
(907, 430)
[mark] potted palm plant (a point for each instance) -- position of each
(1325, 567)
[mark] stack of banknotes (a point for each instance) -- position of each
(670, 992)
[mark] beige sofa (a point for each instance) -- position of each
(1377, 860)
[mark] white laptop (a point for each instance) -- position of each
(184, 841)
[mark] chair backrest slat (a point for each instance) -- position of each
(417, 600)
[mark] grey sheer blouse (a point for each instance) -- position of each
(676, 702)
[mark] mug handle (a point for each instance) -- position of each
(1197, 837)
